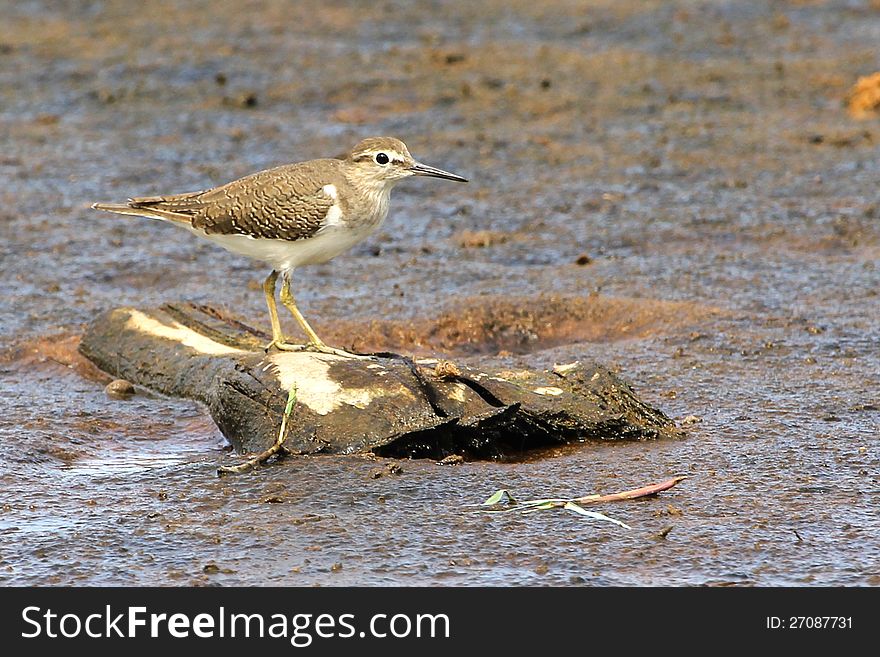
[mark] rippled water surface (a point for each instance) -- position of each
(699, 154)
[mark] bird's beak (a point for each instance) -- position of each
(424, 170)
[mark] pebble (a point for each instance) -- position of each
(119, 389)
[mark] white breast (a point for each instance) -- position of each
(283, 254)
(338, 234)
(331, 240)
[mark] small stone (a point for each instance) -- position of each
(212, 569)
(309, 517)
(119, 389)
(563, 369)
(390, 469)
(245, 100)
(583, 259)
(691, 419)
(663, 533)
(452, 459)
(335, 568)
(446, 369)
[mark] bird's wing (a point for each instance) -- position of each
(282, 203)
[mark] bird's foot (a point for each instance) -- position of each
(283, 345)
(317, 347)
(321, 348)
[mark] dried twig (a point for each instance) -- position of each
(265, 455)
(644, 491)
(502, 501)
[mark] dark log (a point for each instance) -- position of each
(390, 405)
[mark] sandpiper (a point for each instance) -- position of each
(293, 215)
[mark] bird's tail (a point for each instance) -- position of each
(136, 209)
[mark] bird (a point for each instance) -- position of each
(293, 215)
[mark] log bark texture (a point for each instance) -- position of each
(391, 405)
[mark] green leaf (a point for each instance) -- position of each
(291, 400)
(499, 496)
(540, 507)
(571, 506)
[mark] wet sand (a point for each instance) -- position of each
(674, 189)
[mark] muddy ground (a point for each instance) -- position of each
(673, 188)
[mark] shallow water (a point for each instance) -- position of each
(698, 153)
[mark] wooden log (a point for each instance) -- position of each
(390, 405)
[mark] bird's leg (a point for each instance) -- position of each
(290, 303)
(269, 291)
(315, 343)
(277, 336)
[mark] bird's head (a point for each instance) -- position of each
(385, 161)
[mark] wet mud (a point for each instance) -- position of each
(520, 325)
(681, 191)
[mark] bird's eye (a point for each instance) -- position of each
(382, 158)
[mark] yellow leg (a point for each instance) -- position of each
(315, 343)
(290, 303)
(278, 340)
(269, 291)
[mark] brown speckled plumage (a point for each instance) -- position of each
(287, 202)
